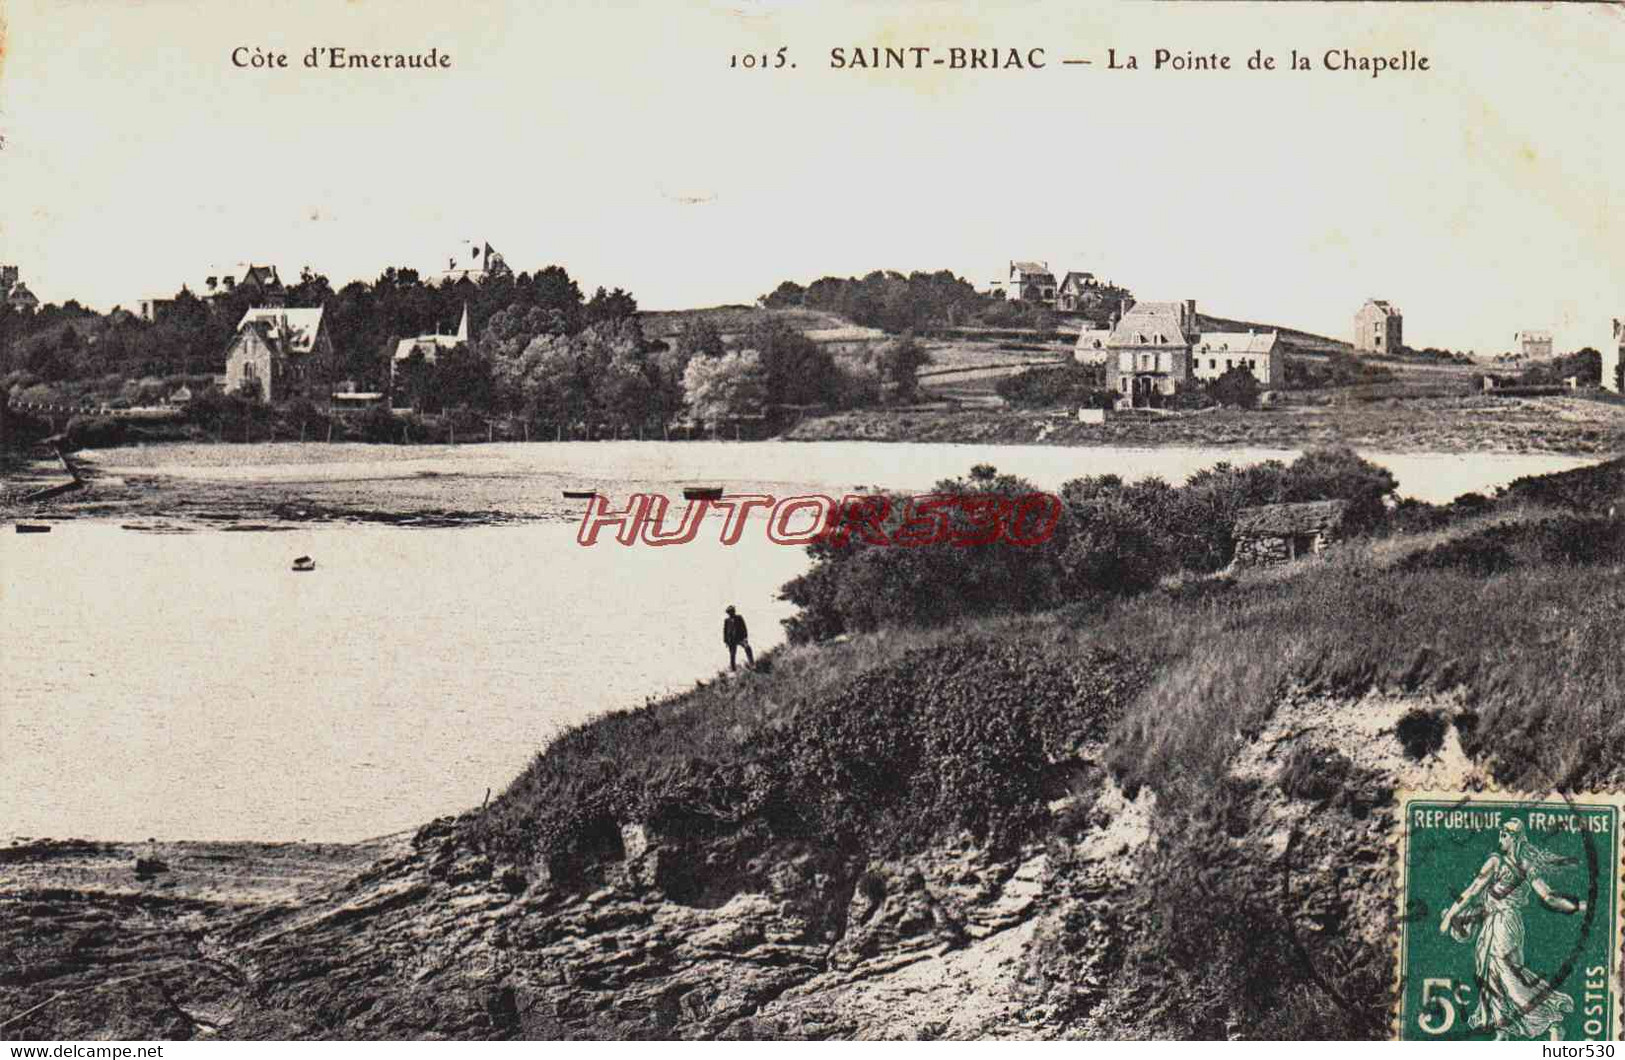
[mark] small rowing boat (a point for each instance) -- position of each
(702, 493)
(304, 563)
(32, 528)
(580, 495)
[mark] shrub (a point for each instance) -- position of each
(1480, 555)
(95, 432)
(1421, 733)
(1063, 384)
(854, 585)
(1236, 388)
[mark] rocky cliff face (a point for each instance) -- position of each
(1268, 912)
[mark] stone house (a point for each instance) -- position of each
(1031, 281)
(1216, 352)
(1613, 355)
(1074, 295)
(1379, 328)
(1532, 344)
(280, 352)
(1148, 355)
(21, 298)
(14, 292)
(259, 281)
(1280, 533)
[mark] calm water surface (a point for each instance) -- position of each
(192, 686)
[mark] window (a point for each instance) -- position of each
(1212, 364)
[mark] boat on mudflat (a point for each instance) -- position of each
(580, 495)
(304, 563)
(702, 493)
(32, 528)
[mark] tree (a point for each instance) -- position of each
(698, 335)
(785, 295)
(797, 370)
(462, 377)
(610, 307)
(899, 363)
(1235, 388)
(413, 380)
(730, 385)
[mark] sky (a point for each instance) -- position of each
(1483, 196)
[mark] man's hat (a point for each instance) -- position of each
(730, 609)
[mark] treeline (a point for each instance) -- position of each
(929, 301)
(609, 374)
(539, 352)
(1114, 538)
(70, 343)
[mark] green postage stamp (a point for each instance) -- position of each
(1509, 916)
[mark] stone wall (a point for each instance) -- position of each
(1261, 550)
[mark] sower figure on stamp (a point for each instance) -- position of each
(1512, 999)
(736, 636)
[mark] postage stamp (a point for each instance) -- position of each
(1509, 916)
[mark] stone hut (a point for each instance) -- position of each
(1279, 533)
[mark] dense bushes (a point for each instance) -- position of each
(939, 740)
(1335, 370)
(1113, 539)
(95, 432)
(1073, 385)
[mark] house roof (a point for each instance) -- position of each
(1030, 268)
(295, 328)
(1387, 309)
(262, 275)
(1284, 520)
(429, 344)
(1093, 339)
(1150, 319)
(1248, 342)
(21, 295)
(1082, 276)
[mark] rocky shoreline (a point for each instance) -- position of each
(423, 936)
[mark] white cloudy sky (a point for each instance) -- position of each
(1484, 197)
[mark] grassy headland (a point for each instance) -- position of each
(1164, 813)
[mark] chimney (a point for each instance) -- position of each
(1190, 313)
(1124, 304)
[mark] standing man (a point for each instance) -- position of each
(736, 636)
